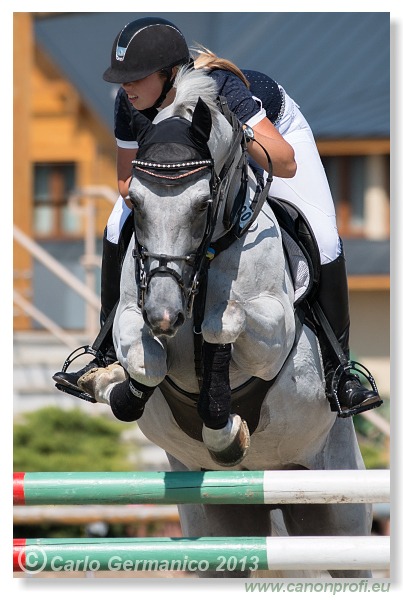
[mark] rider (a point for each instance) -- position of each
(145, 58)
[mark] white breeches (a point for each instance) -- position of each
(308, 189)
(116, 220)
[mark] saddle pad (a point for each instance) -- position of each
(300, 247)
(183, 404)
(299, 267)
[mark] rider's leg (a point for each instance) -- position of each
(110, 289)
(309, 190)
(333, 299)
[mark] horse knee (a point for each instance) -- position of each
(224, 323)
(146, 361)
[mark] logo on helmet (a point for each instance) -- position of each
(120, 53)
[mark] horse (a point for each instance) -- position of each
(259, 402)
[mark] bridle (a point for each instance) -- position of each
(199, 260)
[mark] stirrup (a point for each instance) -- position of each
(344, 369)
(77, 393)
(85, 350)
(72, 357)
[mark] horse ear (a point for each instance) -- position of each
(201, 121)
(140, 126)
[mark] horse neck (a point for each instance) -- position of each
(220, 145)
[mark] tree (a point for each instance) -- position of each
(52, 439)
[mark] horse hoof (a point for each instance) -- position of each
(228, 446)
(99, 381)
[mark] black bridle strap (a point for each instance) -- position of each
(261, 195)
(198, 317)
(163, 260)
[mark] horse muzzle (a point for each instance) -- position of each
(164, 306)
(165, 324)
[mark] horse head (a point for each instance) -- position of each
(173, 192)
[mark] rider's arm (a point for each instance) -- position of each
(280, 151)
(124, 170)
(250, 110)
(126, 143)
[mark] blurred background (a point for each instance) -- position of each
(334, 65)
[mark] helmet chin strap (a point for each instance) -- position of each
(168, 84)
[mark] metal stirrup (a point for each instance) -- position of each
(344, 368)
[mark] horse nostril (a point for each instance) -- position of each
(162, 325)
(145, 317)
(180, 320)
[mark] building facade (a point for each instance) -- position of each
(64, 143)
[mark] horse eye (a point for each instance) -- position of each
(203, 205)
(134, 200)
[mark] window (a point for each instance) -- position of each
(52, 184)
(360, 189)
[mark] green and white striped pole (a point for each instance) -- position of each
(202, 487)
(243, 554)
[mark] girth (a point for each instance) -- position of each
(183, 404)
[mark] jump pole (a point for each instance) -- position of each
(201, 554)
(203, 487)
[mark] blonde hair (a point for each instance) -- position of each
(205, 59)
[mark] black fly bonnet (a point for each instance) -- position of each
(174, 148)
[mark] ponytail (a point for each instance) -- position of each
(205, 59)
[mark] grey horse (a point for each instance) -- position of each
(248, 308)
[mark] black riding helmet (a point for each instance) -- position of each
(145, 46)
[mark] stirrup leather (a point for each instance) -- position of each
(344, 369)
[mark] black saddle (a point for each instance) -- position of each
(298, 241)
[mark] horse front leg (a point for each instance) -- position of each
(267, 338)
(261, 330)
(257, 335)
(127, 385)
(226, 436)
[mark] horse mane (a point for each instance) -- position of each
(190, 85)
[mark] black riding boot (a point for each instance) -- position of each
(110, 291)
(348, 394)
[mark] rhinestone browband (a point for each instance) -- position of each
(190, 163)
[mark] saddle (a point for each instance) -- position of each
(300, 247)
